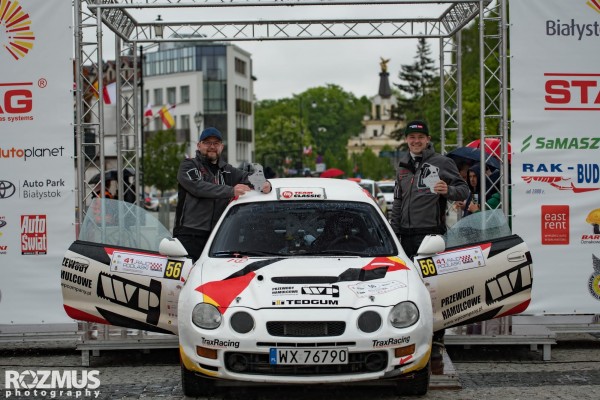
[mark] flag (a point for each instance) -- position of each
(109, 92)
(167, 118)
(307, 150)
(148, 112)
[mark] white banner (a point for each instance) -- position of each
(37, 169)
(555, 108)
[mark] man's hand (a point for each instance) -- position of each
(266, 187)
(441, 187)
(240, 189)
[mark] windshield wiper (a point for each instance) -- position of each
(243, 253)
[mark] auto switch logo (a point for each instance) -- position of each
(16, 35)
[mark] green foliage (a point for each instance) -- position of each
(322, 117)
(370, 166)
(162, 156)
(417, 81)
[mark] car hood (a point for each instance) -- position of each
(301, 282)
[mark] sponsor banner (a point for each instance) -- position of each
(37, 168)
(555, 136)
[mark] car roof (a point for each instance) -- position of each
(333, 189)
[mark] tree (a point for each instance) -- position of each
(417, 80)
(322, 118)
(162, 156)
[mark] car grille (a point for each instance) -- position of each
(258, 364)
(306, 329)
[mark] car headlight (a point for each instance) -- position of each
(369, 321)
(206, 316)
(404, 314)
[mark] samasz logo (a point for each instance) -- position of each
(47, 384)
(572, 92)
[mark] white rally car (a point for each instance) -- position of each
(305, 285)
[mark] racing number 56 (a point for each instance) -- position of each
(173, 269)
(427, 267)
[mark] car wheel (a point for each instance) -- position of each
(415, 384)
(194, 385)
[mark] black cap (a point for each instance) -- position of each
(208, 132)
(416, 126)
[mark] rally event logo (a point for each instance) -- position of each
(34, 235)
(594, 281)
(17, 37)
(594, 5)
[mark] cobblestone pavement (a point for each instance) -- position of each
(484, 372)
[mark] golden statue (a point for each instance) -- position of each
(383, 64)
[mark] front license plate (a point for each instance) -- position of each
(299, 356)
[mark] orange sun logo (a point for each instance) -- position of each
(15, 29)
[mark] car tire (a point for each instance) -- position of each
(194, 385)
(415, 384)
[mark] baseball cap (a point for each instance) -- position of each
(208, 132)
(416, 126)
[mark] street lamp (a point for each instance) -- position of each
(158, 28)
(198, 119)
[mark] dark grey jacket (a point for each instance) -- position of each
(416, 210)
(203, 196)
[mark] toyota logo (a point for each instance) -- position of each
(7, 189)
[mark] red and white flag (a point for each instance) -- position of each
(148, 112)
(109, 93)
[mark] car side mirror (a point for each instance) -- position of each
(432, 244)
(172, 247)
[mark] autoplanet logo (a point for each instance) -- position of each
(32, 152)
(49, 384)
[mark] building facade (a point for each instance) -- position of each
(201, 85)
(384, 118)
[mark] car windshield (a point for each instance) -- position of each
(303, 228)
(387, 188)
(478, 227)
(118, 223)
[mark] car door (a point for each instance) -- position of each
(485, 272)
(114, 273)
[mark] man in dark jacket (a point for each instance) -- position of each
(424, 182)
(206, 185)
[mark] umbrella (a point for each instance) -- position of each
(492, 145)
(332, 173)
(111, 175)
(473, 154)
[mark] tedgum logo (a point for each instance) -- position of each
(17, 37)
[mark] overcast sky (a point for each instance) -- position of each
(285, 68)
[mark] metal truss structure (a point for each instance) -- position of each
(92, 16)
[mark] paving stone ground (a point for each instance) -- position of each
(484, 372)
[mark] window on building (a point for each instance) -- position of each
(172, 95)
(158, 97)
(185, 94)
(240, 66)
(185, 122)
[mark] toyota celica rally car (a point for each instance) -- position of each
(305, 285)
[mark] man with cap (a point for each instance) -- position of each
(206, 184)
(424, 182)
